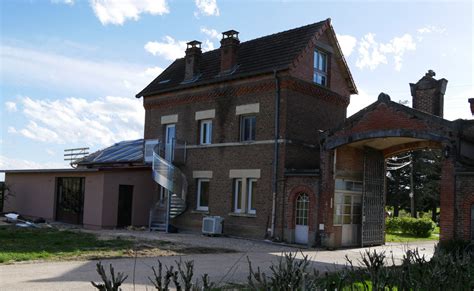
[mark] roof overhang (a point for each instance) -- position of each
(49, 171)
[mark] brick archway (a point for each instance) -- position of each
(392, 128)
(290, 213)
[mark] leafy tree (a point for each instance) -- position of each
(426, 181)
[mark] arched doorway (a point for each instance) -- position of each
(302, 218)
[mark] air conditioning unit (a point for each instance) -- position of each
(148, 150)
(212, 225)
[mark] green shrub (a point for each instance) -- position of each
(392, 224)
(421, 227)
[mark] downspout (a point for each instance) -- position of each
(276, 152)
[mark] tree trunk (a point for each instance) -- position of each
(396, 209)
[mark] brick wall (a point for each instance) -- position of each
(350, 162)
(222, 98)
(304, 66)
(464, 202)
(220, 161)
(386, 118)
(428, 101)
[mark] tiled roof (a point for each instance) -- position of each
(275, 51)
(129, 151)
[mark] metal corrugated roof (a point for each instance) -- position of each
(128, 151)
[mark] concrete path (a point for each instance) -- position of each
(229, 267)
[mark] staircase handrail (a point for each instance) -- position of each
(168, 175)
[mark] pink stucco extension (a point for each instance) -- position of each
(35, 194)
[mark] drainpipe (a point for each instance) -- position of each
(276, 152)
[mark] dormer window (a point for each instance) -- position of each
(320, 68)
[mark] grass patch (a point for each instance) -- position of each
(21, 244)
(404, 237)
(26, 244)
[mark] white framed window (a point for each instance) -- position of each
(320, 68)
(238, 196)
(247, 127)
(205, 136)
(251, 193)
(202, 194)
(244, 188)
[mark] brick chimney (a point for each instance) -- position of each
(471, 100)
(428, 94)
(229, 47)
(193, 55)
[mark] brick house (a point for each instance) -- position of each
(256, 132)
(250, 114)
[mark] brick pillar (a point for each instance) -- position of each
(447, 216)
(428, 94)
(325, 212)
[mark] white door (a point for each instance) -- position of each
(169, 141)
(302, 212)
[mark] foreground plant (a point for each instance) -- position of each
(447, 270)
(112, 284)
(182, 277)
(290, 273)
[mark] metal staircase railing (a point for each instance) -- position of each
(170, 177)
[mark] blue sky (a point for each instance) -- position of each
(69, 69)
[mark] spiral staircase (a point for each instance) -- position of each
(174, 183)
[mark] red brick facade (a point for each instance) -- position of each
(305, 109)
(314, 137)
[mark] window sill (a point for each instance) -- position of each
(203, 212)
(242, 214)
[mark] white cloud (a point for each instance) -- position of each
(51, 70)
(208, 45)
(207, 8)
(369, 53)
(68, 2)
(347, 43)
(7, 163)
(153, 71)
(79, 121)
(170, 48)
(431, 29)
(360, 101)
(11, 106)
(117, 12)
(212, 33)
(372, 53)
(50, 152)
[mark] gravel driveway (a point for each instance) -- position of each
(225, 267)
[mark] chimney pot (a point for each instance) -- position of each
(428, 94)
(229, 47)
(192, 58)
